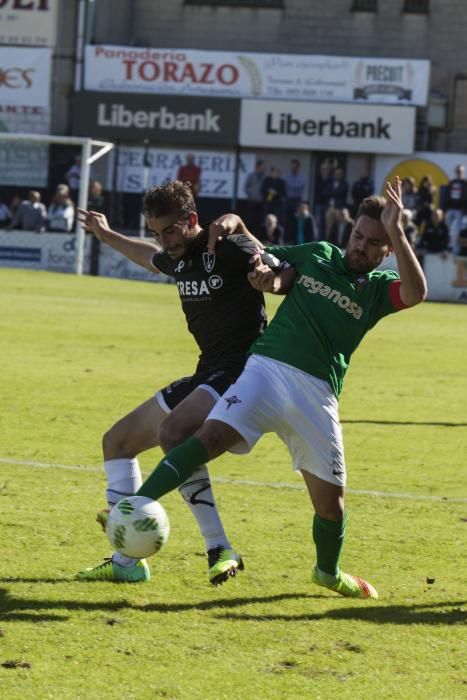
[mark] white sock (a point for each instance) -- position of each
(198, 495)
(123, 479)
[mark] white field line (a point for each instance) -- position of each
(243, 482)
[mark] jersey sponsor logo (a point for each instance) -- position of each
(316, 287)
(179, 267)
(193, 288)
(231, 400)
(215, 282)
(209, 260)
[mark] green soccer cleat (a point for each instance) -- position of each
(223, 563)
(345, 584)
(111, 571)
(102, 517)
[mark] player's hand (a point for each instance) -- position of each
(261, 277)
(93, 222)
(391, 216)
(222, 227)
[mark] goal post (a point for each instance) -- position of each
(88, 157)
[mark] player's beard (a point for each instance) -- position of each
(360, 264)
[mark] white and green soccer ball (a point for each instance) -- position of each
(137, 527)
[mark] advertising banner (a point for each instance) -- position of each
(271, 76)
(327, 127)
(41, 251)
(30, 22)
(217, 169)
(25, 76)
(24, 164)
(24, 120)
(447, 277)
(161, 118)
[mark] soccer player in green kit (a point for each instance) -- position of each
(293, 377)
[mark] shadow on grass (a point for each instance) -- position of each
(13, 608)
(446, 613)
(441, 424)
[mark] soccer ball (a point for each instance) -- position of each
(137, 527)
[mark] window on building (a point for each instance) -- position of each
(365, 6)
(419, 7)
(253, 4)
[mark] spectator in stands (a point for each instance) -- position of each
(345, 225)
(95, 197)
(294, 186)
(5, 214)
(409, 193)
(435, 238)
(96, 202)
(61, 212)
(271, 232)
(73, 178)
(305, 226)
(191, 173)
(338, 201)
(456, 205)
(462, 240)
(361, 189)
(322, 197)
(31, 214)
(425, 200)
(410, 229)
(252, 189)
(274, 192)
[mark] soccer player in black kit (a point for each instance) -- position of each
(225, 315)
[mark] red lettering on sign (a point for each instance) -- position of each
(15, 78)
(227, 70)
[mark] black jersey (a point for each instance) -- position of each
(223, 311)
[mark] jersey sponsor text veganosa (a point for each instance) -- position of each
(315, 286)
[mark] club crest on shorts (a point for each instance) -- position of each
(230, 400)
(209, 260)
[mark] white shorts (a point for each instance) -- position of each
(273, 397)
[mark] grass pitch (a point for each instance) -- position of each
(77, 353)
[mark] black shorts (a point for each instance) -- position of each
(217, 379)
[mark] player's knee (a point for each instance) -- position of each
(217, 437)
(171, 433)
(331, 509)
(115, 444)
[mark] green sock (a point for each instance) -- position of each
(328, 536)
(174, 469)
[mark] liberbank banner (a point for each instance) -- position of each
(327, 127)
(157, 118)
(243, 75)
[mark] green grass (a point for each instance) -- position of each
(76, 353)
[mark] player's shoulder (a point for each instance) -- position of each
(378, 276)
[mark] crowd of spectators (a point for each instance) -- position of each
(434, 221)
(31, 214)
(277, 208)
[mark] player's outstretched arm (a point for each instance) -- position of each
(264, 279)
(138, 251)
(413, 287)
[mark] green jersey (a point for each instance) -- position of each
(327, 312)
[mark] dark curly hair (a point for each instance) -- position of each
(371, 207)
(173, 198)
